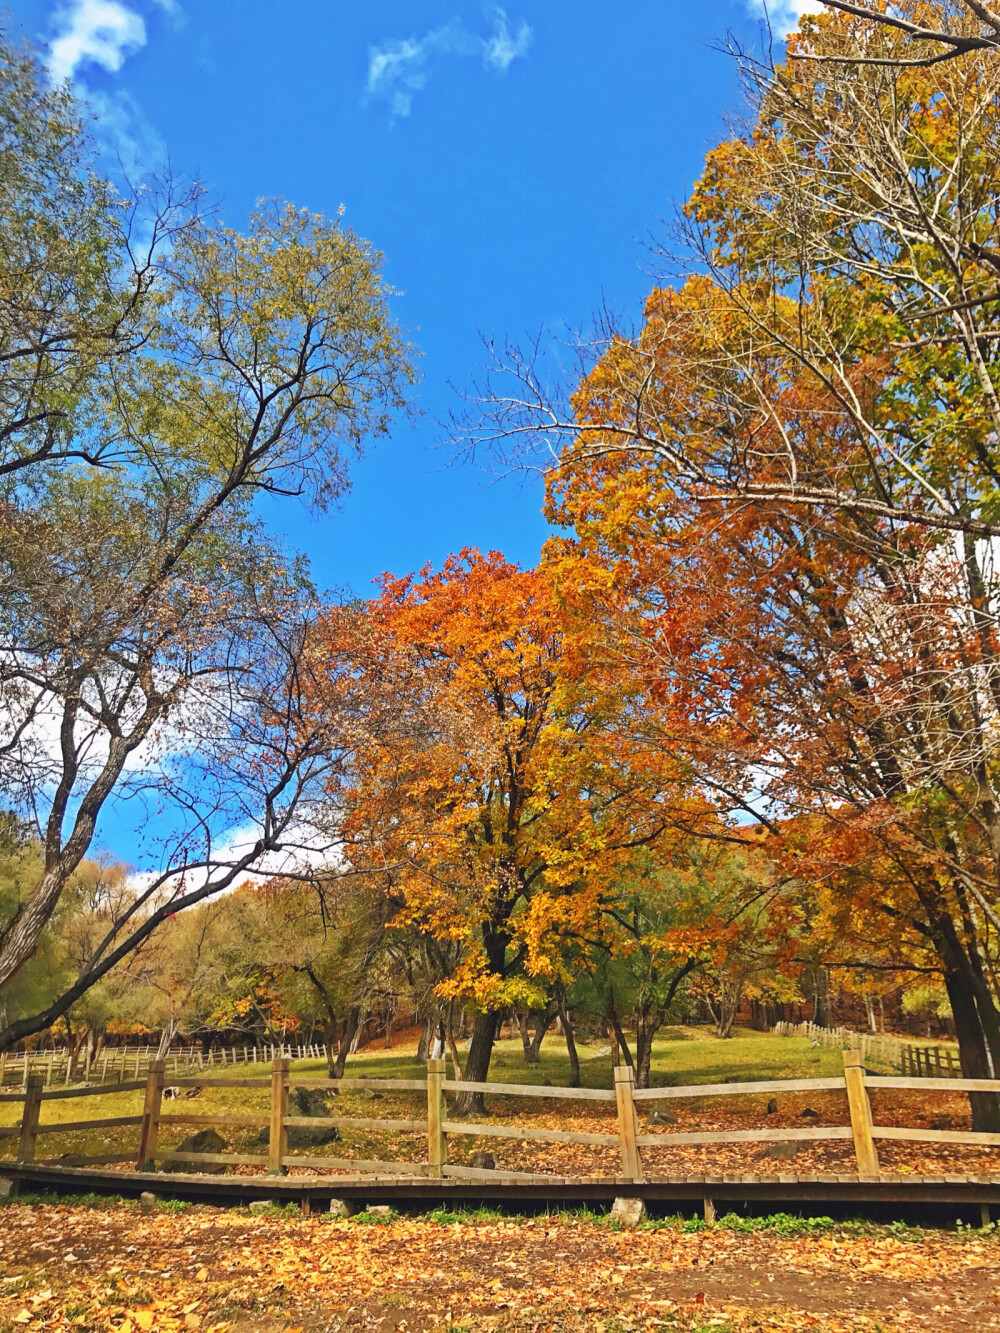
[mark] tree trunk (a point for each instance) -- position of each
(616, 1028)
(972, 1053)
(351, 1027)
(329, 1041)
(545, 1020)
(424, 1044)
(727, 1016)
(452, 1043)
(571, 1051)
(166, 1037)
(477, 1065)
(646, 1029)
(522, 1023)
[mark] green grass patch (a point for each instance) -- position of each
(368, 1218)
(264, 1209)
(481, 1216)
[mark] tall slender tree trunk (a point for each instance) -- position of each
(426, 1037)
(456, 1059)
(571, 1051)
(522, 1023)
(351, 1026)
(645, 1030)
(616, 1028)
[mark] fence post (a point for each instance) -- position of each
(150, 1130)
(437, 1146)
(861, 1114)
(277, 1146)
(29, 1120)
(628, 1124)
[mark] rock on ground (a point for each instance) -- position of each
(306, 1102)
(629, 1212)
(206, 1140)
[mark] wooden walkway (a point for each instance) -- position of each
(726, 1192)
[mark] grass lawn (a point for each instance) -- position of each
(681, 1055)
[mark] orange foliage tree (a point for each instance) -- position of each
(486, 790)
(780, 489)
(834, 685)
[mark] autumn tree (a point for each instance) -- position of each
(926, 33)
(491, 809)
(836, 694)
(785, 476)
(847, 241)
(151, 634)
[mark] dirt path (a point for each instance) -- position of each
(205, 1269)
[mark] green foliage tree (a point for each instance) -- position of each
(150, 635)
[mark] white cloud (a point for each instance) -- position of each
(399, 69)
(101, 32)
(305, 849)
(505, 46)
(124, 131)
(784, 15)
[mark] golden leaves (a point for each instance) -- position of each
(552, 1274)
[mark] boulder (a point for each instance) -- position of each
(306, 1102)
(628, 1212)
(208, 1141)
(784, 1152)
(484, 1161)
(342, 1208)
(807, 1113)
(772, 1106)
(147, 1202)
(658, 1117)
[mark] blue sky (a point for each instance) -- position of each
(509, 164)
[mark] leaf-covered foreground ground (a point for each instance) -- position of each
(207, 1269)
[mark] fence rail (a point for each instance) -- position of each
(114, 1064)
(909, 1058)
(438, 1127)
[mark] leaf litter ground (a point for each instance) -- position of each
(72, 1266)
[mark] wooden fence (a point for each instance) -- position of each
(118, 1063)
(438, 1127)
(875, 1048)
